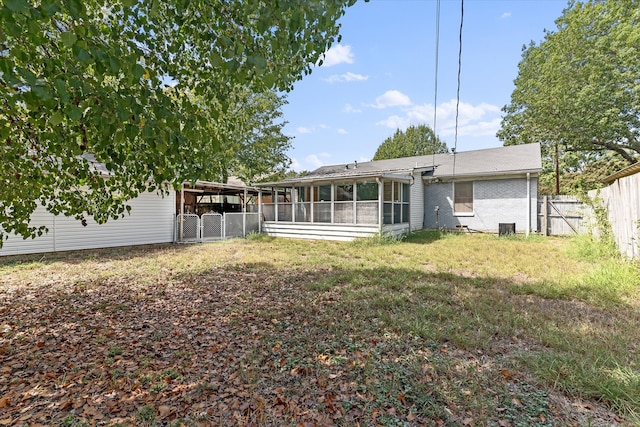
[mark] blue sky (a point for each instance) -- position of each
(381, 76)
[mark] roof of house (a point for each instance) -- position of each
(490, 161)
(629, 170)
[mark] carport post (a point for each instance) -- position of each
(244, 214)
(260, 210)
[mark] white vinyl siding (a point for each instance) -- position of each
(417, 204)
(150, 221)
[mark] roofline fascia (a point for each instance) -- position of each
(482, 175)
(318, 179)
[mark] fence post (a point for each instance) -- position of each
(545, 215)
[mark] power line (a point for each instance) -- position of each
(435, 90)
(455, 140)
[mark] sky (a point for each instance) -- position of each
(382, 76)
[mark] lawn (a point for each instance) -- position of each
(439, 329)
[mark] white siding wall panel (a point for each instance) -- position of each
(151, 221)
(416, 204)
(16, 245)
(319, 231)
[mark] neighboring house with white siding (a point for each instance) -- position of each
(475, 190)
(150, 221)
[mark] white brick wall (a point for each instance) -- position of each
(495, 201)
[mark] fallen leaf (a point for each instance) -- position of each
(506, 374)
(164, 411)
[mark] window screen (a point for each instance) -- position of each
(463, 197)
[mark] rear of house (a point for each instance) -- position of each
(475, 190)
(479, 190)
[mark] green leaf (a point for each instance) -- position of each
(17, 6)
(137, 71)
(81, 55)
(74, 113)
(56, 118)
(75, 8)
(49, 7)
(43, 92)
(68, 38)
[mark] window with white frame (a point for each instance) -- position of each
(463, 198)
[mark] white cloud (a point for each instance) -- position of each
(343, 131)
(348, 108)
(337, 54)
(395, 122)
(347, 77)
(316, 160)
(295, 165)
(473, 120)
(505, 15)
(392, 98)
(303, 129)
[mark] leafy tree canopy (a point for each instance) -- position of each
(415, 141)
(138, 86)
(254, 145)
(577, 91)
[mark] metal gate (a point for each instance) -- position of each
(191, 228)
(212, 226)
(188, 228)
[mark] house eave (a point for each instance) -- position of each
(487, 174)
(403, 177)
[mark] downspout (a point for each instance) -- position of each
(528, 204)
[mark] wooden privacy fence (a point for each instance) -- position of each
(622, 202)
(563, 215)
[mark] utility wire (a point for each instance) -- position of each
(435, 90)
(455, 140)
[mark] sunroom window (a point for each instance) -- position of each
(367, 203)
(396, 202)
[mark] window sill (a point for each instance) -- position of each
(464, 214)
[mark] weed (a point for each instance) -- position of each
(146, 414)
(157, 388)
(115, 351)
(70, 421)
(379, 239)
(117, 373)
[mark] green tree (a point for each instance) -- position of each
(415, 141)
(577, 91)
(136, 86)
(254, 145)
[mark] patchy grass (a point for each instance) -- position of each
(436, 329)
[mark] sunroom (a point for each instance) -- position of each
(337, 207)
